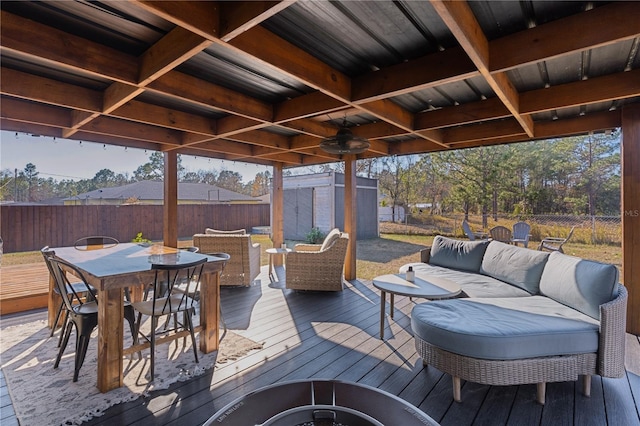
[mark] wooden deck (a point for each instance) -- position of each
(24, 287)
(336, 336)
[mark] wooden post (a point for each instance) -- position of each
(277, 210)
(350, 215)
(631, 213)
(170, 206)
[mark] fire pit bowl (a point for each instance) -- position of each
(319, 403)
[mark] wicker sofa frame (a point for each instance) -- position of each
(607, 362)
(243, 266)
(309, 268)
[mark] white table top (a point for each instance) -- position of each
(424, 285)
(279, 250)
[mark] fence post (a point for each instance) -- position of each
(593, 230)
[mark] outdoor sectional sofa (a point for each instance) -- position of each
(524, 316)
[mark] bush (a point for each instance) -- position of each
(140, 239)
(314, 236)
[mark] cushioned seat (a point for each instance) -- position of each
(505, 328)
(472, 284)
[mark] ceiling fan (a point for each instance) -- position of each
(344, 142)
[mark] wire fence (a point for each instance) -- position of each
(587, 229)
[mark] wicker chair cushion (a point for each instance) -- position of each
(211, 231)
(331, 237)
(472, 284)
(585, 284)
(515, 265)
(462, 255)
(505, 328)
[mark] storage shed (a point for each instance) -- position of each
(317, 200)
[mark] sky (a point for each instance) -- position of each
(66, 159)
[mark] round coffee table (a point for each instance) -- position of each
(273, 252)
(424, 285)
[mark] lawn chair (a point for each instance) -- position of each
(501, 233)
(555, 243)
(472, 235)
(521, 233)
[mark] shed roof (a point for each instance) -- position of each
(264, 82)
(154, 190)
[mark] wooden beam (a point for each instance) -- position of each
(482, 131)
(75, 53)
(428, 71)
(173, 49)
(200, 92)
(462, 23)
(170, 205)
(200, 17)
(350, 215)
(631, 213)
(472, 112)
(277, 206)
(40, 89)
(599, 89)
(606, 24)
(240, 16)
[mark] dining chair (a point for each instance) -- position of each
(166, 300)
(79, 288)
(501, 233)
(81, 314)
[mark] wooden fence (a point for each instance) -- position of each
(28, 228)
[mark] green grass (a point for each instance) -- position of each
(379, 256)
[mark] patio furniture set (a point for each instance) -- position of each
(525, 316)
(499, 314)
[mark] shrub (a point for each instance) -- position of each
(314, 236)
(140, 239)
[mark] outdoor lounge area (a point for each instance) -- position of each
(289, 84)
(335, 335)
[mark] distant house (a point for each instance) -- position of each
(152, 192)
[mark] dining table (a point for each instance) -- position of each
(111, 270)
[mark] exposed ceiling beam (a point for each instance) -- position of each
(466, 29)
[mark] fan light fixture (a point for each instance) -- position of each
(344, 142)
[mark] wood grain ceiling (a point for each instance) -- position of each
(113, 107)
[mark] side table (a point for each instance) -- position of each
(274, 252)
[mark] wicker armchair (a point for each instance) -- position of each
(244, 265)
(318, 267)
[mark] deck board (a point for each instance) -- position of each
(336, 336)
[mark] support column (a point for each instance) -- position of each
(170, 205)
(277, 210)
(350, 215)
(631, 213)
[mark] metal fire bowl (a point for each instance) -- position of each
(319, 402)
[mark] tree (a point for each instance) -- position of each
(31, 175)
(261, 184)
(230, 180)
(154, 169)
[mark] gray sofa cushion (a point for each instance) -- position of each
(505, 328)
(518, 266)
(472, 284)
(462, 255)
(581, 284)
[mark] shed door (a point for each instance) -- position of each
(298, 213)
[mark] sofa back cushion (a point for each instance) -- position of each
(456, 254)
(514, 265)
(581, 284)
(211, 231)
